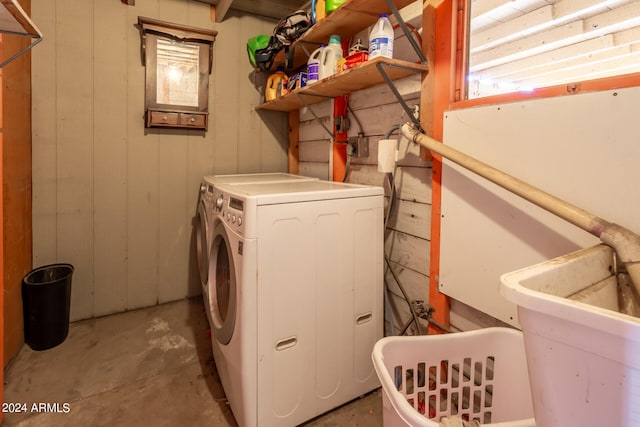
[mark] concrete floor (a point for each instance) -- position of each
(152, 366)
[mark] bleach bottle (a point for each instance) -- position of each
(381, 38)
(330, 56)
(313, 66)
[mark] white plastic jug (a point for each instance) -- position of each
(313, 66)
(381, 38)
(330, 56)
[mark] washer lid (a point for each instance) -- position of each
(269, 193)
(255, 177)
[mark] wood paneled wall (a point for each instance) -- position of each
(114, 199)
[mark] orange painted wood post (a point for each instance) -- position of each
(1, 241)
(339, 160)
(339, 150)
(15, 182)
(443, 69)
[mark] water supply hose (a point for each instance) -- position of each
(392, 196)
(625, 242)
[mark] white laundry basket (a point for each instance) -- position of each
(479, 375)
(583, 356)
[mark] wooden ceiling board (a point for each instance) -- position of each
(275, 9)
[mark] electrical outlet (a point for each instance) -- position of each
(358, 146)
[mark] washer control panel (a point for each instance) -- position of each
(206, 194)
(230, 210)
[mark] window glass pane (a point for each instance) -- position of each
(177, 73)
(520, 45)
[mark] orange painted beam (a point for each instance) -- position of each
(16, 251)
(339, 160)
(443, 68)
(1, 246)
(339, 145)
(607, 83)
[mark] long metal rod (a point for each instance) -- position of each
(625, 242)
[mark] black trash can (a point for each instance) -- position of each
(46, 301)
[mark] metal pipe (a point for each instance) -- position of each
(625, 242)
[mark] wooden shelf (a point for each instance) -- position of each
(349, 19)
(360, 77)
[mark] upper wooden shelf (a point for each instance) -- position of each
(349, 19)
(359, 77)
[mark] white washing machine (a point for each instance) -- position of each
(295, 292)
(206, 210)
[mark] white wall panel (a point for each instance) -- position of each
(110, 159)
(582, 148)
(143, 166)
(74, 131)
(174, 223)
(44, 146)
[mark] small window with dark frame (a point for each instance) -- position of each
(178, 61)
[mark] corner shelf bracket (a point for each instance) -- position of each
(14, 20)
(23, 50)
(302, 44)
(380, 66)
(314, 113)
(417, 48)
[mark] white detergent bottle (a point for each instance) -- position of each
(313, 66)
(330, 56)
(381, 38)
